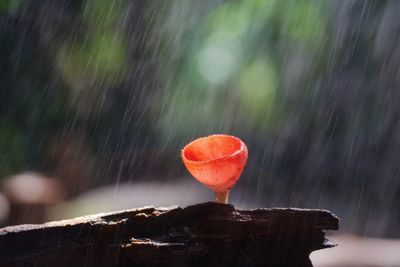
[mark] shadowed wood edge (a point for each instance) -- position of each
(209, 234)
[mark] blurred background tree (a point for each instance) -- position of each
(103, 92)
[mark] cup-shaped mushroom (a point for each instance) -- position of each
(216, 161)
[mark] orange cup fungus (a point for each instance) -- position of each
(217, 161)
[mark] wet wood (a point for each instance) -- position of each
(207, 234)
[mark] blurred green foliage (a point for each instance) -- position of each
(13, 149)
(238, 59)
(100, 54)
(257, 86)
(10, 6)
(303, 22)
(102, 14)
(215, 67)
(101, 57)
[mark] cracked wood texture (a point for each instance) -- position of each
(207, 234)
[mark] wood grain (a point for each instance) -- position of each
(207, 234)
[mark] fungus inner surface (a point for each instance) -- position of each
(211, 148)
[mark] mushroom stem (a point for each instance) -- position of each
(222, 197)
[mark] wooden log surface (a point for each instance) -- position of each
(207, 234)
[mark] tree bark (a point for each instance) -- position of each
(207, 234)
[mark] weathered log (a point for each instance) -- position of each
(208, 234)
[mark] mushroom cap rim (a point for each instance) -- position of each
(242, 148)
